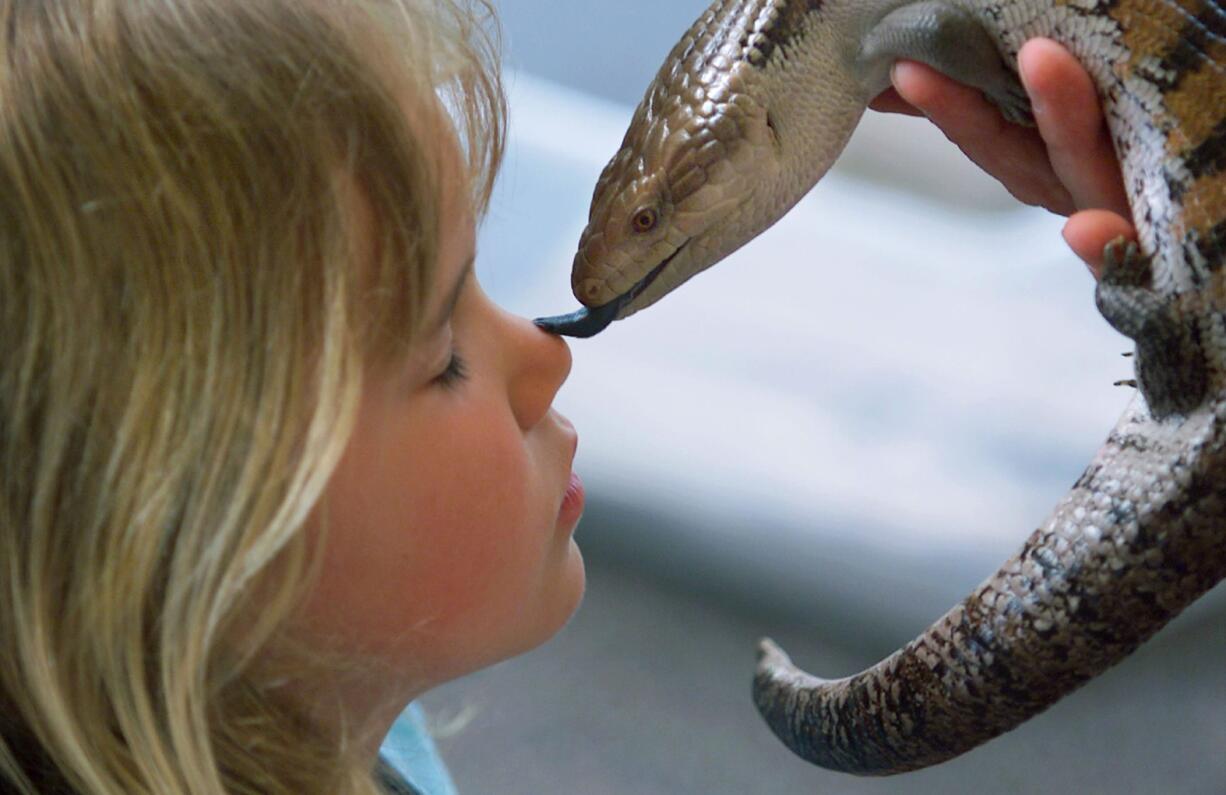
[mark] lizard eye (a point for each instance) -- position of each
(645, 220)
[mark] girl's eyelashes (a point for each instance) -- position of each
(454, 374)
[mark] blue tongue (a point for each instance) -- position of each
(587, 322)
(590, 321)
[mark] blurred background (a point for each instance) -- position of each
(830, 439)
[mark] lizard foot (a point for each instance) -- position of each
(952, 40)
(1013, 102)
(1170, 362)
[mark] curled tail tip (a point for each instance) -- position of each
(769, 690)
(776, 673)
(769, 653)
(774, 664)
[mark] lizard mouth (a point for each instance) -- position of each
(590, 321)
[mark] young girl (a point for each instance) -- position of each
(272, 464)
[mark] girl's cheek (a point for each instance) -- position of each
(477, 509)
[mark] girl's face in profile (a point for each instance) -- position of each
(451, 513)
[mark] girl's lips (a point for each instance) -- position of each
(572, 502)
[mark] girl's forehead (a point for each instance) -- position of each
(435, 130)
(455, 179)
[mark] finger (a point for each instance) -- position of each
(1014, 155)
(1069, 117)
(888, 101)
(1088, 232)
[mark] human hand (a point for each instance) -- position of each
(1067, 165)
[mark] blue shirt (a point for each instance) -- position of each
(410, 749)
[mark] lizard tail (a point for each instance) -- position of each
(1137, 539)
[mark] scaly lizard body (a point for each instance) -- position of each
(750, 109)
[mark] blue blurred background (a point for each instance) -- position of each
(830, 438)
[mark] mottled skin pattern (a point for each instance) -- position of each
(750, 109)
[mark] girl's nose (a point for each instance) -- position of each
(539, 365)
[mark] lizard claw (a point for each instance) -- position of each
(1124, 265)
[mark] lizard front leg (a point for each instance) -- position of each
(950, 40)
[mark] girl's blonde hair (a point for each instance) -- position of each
(183, 330)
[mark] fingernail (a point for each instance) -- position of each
(1036, 105)
(1090, 266)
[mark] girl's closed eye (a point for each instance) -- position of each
(454, 374)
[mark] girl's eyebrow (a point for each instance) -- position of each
(454, 297)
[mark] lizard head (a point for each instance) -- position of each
(692, 182)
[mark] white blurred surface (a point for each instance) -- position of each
(887, 361)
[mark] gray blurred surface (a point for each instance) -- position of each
(647, 691)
